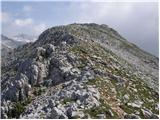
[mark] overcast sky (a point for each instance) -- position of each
(137, 22)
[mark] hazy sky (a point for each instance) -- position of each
(137, 22)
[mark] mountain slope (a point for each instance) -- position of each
(10, 42)
(80, 71)
(4, 49)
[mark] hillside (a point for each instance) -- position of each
(4, 49)
(11, 43)
(8, 44)
(80, 71)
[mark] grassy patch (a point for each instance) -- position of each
(94, 81)
(79, 49)
(102, 109)
(18, 108)
(38, 91)
(129, 109)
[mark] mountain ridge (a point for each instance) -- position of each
(10, 42)
(80, 71)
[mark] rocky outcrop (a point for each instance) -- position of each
(18, 90)
(64, 103)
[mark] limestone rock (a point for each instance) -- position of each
(49, 49)
(135, 104)
(148, 114)
(101, 116)
(131, 116)
(57, 114)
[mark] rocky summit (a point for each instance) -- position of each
(79, 71)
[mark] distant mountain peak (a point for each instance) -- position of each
(25, 37)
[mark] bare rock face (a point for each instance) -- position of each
(79, 71)
(50, 49)
(17, 90)
(64, 103)
(28, 68)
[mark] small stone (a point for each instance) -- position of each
(57, 103)
(126, 98)
(157, 107)
(136, 104)
(110, 113)
(148, 114)
(77, 114)
(56, 114)
(131, 116)
(101, 116)
(137, 112)
(154, 116)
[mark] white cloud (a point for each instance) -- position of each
(29, 25)
(27, 8)
(39, 28)
(102, 12)
(23, 22)
(4, 17)
(135, 21)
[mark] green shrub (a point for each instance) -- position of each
(38, 91)
(18, 108)
(102, 109)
